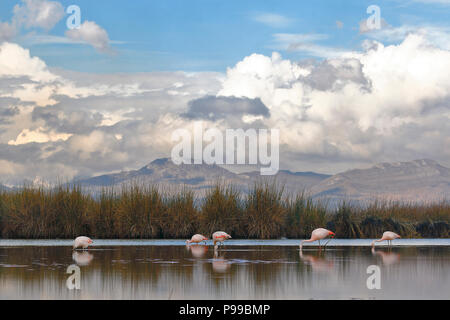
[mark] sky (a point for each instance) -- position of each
(105, 97)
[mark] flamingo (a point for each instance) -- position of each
(82, 242)
(387, 236)
(318, 235)
(220, 237)
(196, 238)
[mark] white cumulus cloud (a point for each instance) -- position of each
(91, 33)
(38, 14)
(364, 106)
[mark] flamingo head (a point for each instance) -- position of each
(90, 241)
(228, 236)
(398, 237)
(332, 234)
(205, 238)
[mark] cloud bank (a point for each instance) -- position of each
(384, 103)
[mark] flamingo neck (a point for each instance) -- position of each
(301, 243)
(373, 242)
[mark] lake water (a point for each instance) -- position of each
(241, 269)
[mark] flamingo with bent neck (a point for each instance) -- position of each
(387, 236)
(317, 235)
(196, 238)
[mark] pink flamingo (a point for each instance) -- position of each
(220, 237)
(196, 238)
(82, 242)
(318, 235)
(387, 236)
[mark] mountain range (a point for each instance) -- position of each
(418, 180)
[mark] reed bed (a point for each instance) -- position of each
(148, 212)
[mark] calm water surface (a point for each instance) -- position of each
(250, 269)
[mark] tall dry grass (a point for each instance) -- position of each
(264, 212)
(221, 209)
(304, 215)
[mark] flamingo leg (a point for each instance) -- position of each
(327, 242)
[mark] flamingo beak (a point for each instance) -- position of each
(332, 234)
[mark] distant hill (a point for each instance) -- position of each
(419, 180)
(164, 172)
(293, 182)
(4, 188)
(200, 177)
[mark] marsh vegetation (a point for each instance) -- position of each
(147, 212)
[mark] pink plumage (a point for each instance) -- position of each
(220, 237)
(317, 235)
(82, 242)
(197, 238)
(387, 236)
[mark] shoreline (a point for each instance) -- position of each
(430, 242)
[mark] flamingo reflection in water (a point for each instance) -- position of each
(219, 263)
(318, 263)
(197, 251)
(82, 258)
(388, 258)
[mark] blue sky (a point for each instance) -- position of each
(210, 35)
(87, 101)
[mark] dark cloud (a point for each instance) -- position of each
(8, 109)
(213, 108)
(63, 118)
(9, 84)
(327, 75)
